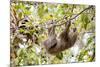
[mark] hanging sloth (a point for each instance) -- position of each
(65, 40)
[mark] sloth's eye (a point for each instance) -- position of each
(53, 45)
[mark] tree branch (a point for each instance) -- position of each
(75, 16)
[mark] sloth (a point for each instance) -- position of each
(65, 40)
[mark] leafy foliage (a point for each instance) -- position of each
(28, 31)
